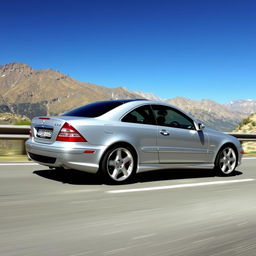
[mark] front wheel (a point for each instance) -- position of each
(118, 165)
(226, 161)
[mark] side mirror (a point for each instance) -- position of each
(200, 126)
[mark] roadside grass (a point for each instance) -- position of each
(250, 154)
(14, 158)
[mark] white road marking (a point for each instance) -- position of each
(220, 182)
(82, 253)
(79, 191)
(249, 158)
(144, 236)
(117, 251)
(6, 164)
(206, 240)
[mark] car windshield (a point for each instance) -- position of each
(95, 109)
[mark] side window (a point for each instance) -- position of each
(141, 115)
(167, 116)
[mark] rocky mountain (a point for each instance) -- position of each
(149, 96)
(248, 125)
(30, 92)
(245, 106)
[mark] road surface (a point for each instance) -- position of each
(174, 212)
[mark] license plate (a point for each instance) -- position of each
(44, 133)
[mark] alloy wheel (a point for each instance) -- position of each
(227, 160)
(120, 164)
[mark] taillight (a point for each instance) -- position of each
(30, 133)
(70, 134)
(44, 118)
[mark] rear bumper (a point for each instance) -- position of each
(67, 156)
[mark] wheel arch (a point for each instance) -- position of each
(228, 143)
(122, 143)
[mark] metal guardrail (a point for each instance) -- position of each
(14, 132)
(244, 136)
(17, 132)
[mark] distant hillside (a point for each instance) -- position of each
(11, 118)
(245, 106)
(30, 92)
(248, 125)
(211, 113)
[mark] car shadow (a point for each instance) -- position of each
(75, 177)
(179, 174)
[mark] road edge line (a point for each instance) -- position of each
(200, 184)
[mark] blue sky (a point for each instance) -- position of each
(191, 48)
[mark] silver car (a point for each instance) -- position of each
(119, 138)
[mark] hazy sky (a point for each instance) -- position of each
(194, 48)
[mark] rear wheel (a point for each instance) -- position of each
(226, 161)
(118, 164)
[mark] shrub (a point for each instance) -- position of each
(23, 122)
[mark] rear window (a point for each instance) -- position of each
(95, 109)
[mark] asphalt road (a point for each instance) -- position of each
(176, 212)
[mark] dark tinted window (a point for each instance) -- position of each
(95, 109)
(141, 115)
(167, 116)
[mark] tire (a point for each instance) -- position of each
(226, 161)
(118, 165)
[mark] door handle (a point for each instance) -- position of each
(164, 132)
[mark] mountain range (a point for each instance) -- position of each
(30, 92)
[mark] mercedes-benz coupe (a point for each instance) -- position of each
(119, 138)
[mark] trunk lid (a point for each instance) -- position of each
(46, 129)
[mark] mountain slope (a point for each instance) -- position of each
(211, 113)
(30, 92)
(248, 125)
(50, 91)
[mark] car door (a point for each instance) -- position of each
(177, 138)
(142, 130)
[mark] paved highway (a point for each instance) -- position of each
(178, 212)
